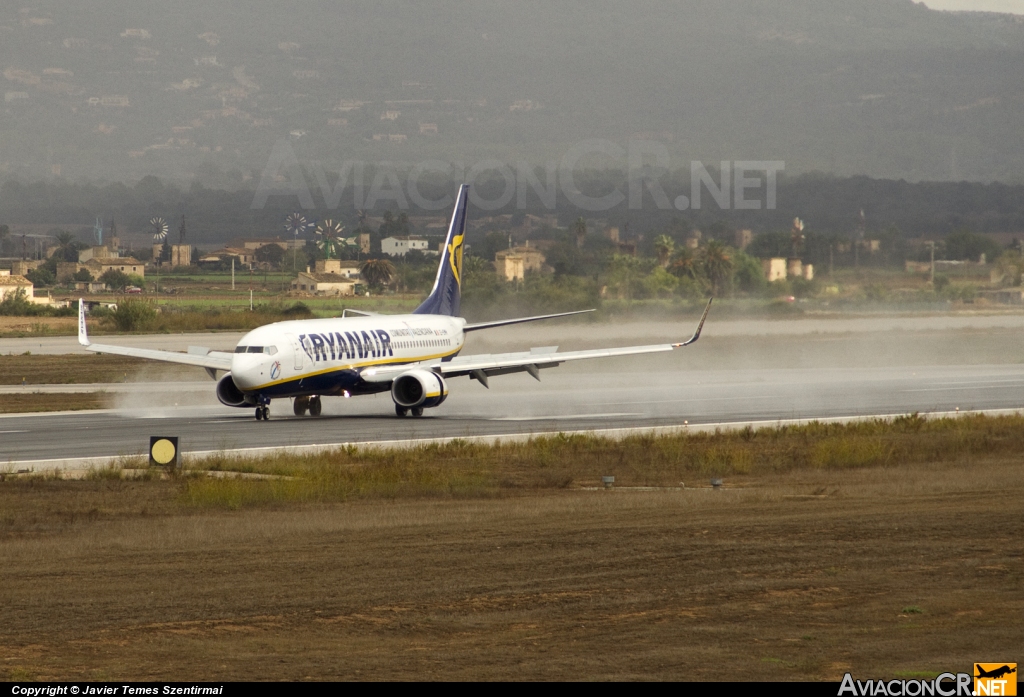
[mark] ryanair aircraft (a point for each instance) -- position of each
(411, 356)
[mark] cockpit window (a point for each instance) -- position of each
(269, 350)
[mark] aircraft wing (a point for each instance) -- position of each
(482, 366)
(197, 356)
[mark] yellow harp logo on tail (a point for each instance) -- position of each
(455, 257)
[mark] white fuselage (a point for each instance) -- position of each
(325, 356)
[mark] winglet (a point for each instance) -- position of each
(696, 334)
(83, 335)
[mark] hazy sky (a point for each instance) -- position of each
(1014, 6)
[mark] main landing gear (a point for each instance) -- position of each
(402, 412)
(263, 413)
(310, 404)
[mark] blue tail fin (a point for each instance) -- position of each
(446, 295)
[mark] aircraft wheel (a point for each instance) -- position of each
(400, 411)
(266, 413)
(259, 413)
(300, 406)
(418, 411)
(315, 407)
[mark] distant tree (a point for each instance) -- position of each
(716, 262)
(115, 280)
(965, 245)
(394, 226)
(663, 247)
(17, 304)
(579, 229)
(133, 314)
(41, 276)
(377, 272)
(624, 272)
(684, 264)
(270, 254)
(67, 246)
(295, 260)
(748, 275)
(83, 275)
(770, 244)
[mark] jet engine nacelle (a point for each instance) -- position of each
(229, 394)
(419, 388)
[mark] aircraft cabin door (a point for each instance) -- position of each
(297, 351)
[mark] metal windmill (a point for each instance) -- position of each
(181, 230)
(327, 237)
(296, 224)
(159, 229)
(798, 236)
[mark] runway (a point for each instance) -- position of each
(761, 371)
(571, 398)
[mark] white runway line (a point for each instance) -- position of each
(563, 417)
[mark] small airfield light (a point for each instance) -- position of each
(608, 481)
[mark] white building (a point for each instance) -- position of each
(323, 284)
(10, 285)
(400, 246)
(345, 269)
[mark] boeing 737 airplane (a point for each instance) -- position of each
(412, 356)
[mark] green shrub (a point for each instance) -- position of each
(133, 314)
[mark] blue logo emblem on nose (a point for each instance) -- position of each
(275, 370)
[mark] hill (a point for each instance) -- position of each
(118, 89)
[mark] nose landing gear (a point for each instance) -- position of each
(263, 409)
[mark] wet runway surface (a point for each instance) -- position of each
(571, 398)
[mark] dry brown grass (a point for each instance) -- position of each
(36, 326)
(461, 469)
(70, 401)
(804, 570)
(67, 369)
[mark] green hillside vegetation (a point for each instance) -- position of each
(885, 88)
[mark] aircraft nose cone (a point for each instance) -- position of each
(248, 371)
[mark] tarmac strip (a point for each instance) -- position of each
(61, 464)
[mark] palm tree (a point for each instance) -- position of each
(663, 247)
(377, 272)
(579, 228)
(683, 264)
(67, 246)
(716, 263)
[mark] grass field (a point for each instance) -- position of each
(75, 401)
(67, 369)
(884, 549)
